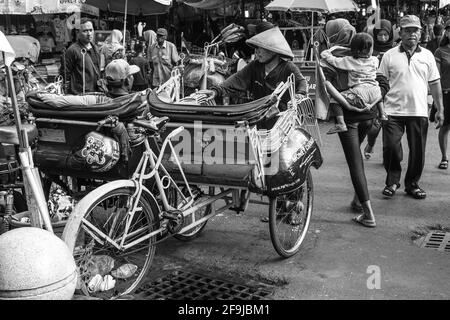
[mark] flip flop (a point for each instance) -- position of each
(389, 191)
(365, 222)
(443, 164)
(416, 192)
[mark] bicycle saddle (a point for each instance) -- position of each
(8, 134)
(154, 123)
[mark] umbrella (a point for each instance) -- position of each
(31, 175)
(326, 6)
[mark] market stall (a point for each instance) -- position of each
(51, 22)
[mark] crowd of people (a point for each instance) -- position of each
(407, 73)
(84, 64)
(376, 82)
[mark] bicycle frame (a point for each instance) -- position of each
(139, 176)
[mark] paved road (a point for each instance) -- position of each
(339, 258)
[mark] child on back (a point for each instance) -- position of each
(364, 91)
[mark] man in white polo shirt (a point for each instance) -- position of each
(410, 69)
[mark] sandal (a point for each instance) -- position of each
(416, 192)
(389, 191)
(443, 164)
(365, 222)
(356, 207)
(337, 128)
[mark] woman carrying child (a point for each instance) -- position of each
(364, 91)
(340, 33)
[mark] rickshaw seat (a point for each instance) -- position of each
(251, 112)
(127, 108)
(8, 134)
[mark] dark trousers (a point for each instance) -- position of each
(351, 144)
(372, 135)
(416, 133)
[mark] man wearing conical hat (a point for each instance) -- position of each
(271, 66)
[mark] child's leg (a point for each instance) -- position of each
(339, 119)
(338, 113)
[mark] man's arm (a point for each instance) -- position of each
(436, 92)
(175, 57)
(238, 82)
(69, 61)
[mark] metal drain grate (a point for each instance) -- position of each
(181, 285)
(437, 240)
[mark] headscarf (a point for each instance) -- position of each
(340, 32)
(382, 47)
(149, 37)
(112, 46)
(116, 36)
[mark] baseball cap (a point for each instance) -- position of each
(410, 21)
(161, 32)
(119, 69)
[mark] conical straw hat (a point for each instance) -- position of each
(272, 40)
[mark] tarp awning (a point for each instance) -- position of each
(210, 4)
(47, 7)
(134, 7)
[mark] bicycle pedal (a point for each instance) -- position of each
(175, 220)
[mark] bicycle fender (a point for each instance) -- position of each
(74, 221)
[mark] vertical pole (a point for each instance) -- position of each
(224, 8)
(125, 22)
(15, 106)
(312, 36)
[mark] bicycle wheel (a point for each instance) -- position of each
(289, 218)
(107, 213)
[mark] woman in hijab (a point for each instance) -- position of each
(150, 40)
(383, 40)
(340, 33)
(111, 48)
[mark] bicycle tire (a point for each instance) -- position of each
(299, 200)
(77, 240)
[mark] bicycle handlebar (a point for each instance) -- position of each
(175, 132)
